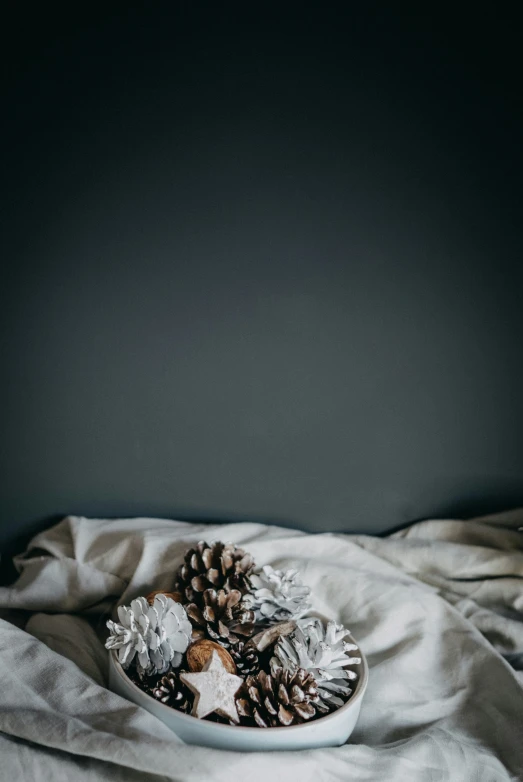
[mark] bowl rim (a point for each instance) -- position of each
(357, 695)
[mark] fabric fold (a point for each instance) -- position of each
(436, 609)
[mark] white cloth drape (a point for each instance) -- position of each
(437, 609)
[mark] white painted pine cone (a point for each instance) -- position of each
(323, 652)
(156, 635)
(277, 595)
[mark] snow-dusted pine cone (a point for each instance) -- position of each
(156, 635)
(246, 658)
(218, 566)
(277, 595)
(277, 699)
(322, 651)
(222, 617)
(170, 690)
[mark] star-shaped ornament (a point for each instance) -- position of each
(214, 689)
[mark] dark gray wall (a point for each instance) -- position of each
(260, 268)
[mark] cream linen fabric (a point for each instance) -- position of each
(437, 609)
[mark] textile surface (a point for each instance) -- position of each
(437, 609)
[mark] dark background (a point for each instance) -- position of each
(260, 263)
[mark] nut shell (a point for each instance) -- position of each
(176, 596)
(200, 651)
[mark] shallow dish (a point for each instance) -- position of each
(329, 731)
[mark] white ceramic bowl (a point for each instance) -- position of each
(329, 731)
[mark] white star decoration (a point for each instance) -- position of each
(214, 689)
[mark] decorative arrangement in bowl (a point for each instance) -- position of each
(232, 650)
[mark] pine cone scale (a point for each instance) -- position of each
(285, 716)
(297, 694)
(233, 598)
(195, 614)
(283, 696)
(244, 708)
(199, 583)
(213, 576)
(305, 710)
(223, 629)
(259, 719)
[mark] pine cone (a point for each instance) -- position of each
(277, 595)
(278, 699)
(154, 636)
(323, 652)
(218, 566)
(170, 690)
(223, 617)
(247, 658)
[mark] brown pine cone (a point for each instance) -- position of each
(247, 658)
(222, 617)
(170, 690)
(218, 566)
(278, 699)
